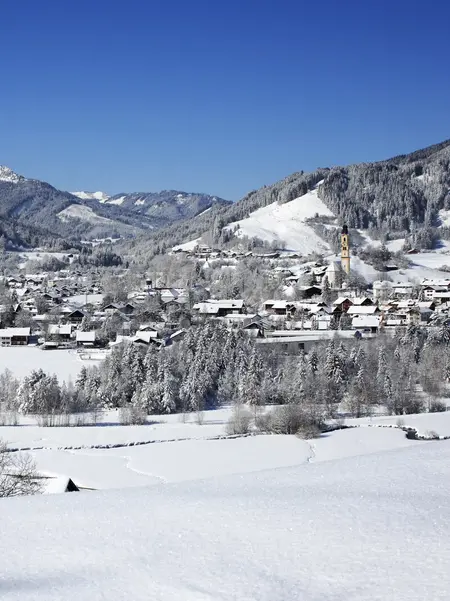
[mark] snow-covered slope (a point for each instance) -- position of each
(286, 222)
(366, 528)
(187, 246)
(83, 213)
(117, 200)
(8, 175)
(100, 196)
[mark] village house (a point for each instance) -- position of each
(60, 332)
(310, 291)
(382, 290)
(14, 336)
(342, 304)
(74, 317)
(363, 310)
(219, 308)
(429, 287)
(403, 290)
(366, 323)
(86, 339)
(440, 296)
(145, 336)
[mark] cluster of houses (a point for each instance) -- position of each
(294, 325)
(69, 311)
(205, 252)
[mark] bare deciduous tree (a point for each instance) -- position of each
(18, 475)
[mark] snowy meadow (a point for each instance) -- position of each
(279, 495)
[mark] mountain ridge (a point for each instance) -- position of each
(74, 216)
(400, 197)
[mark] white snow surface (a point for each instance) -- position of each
(21, 361)
(100, 196)
(370, 528)
(187, 246)
(82, 212)
(116, 201)
(178, 451)
(287, 222)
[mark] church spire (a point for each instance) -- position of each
(345, 249)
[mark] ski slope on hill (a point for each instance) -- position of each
(368, 528)
(286, 222)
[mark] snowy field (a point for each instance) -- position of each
(372, 527)
(66, 364)
(176, 451)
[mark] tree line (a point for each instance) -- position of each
(212, 367)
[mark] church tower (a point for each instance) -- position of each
(345, 249)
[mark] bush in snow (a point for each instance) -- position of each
(437, 406)
(308, 431)
(292, 419)
(240, 421)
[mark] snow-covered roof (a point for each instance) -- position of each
(360, 300)
(145, 336)
(212, 306)
(334, 267)
(85, 336)
(233, 303)
(406, 304)
(342, 299)
(362, 310)
(403, 286)
(57, 484)
(10, 332)
(62, 330)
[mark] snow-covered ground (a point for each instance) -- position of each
(100, 196)
(38, 255)
(116, 201)
(176, 451)
(187, 246)
(286, 222)
(369, 527)
(82, 212)
(22, 361)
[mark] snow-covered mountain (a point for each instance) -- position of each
(41, 210)
(166, 206)
(8, 175)
(100, 196)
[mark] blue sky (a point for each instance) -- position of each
(216, 96)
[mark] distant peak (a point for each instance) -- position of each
(100, 196)
(8, 175)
